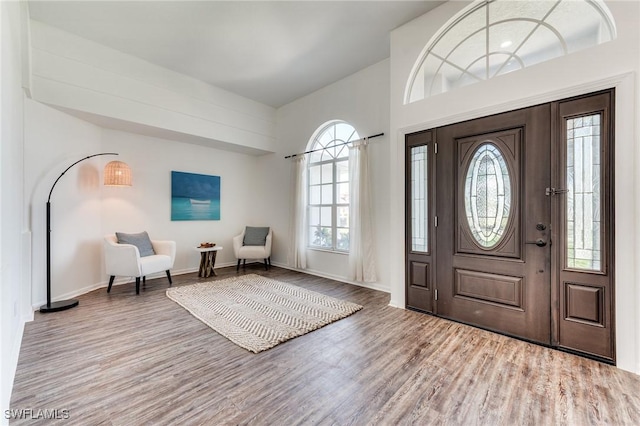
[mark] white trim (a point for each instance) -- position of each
(568, 92)
(121, 281)
(25, 48)
(372, 286)
(12, 368)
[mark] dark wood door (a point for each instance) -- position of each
(420, 250)
(582, 202)
(493, 218)
(516, 211)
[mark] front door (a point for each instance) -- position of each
(510, 223)
(493, 219)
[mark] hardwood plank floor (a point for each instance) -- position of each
(122, 359)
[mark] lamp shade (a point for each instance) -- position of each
(117, 173)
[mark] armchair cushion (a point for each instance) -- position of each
(255, 236)
(140, 240)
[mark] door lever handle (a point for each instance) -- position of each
(539, 242)
(555, 191)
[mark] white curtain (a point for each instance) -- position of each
(298, 243)
(362, 258)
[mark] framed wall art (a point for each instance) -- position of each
(195, 196)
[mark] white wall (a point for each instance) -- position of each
(53, 141)
(83, 210)
(147, 204)
(75, 73)
(160, 111)
(13, 296)
(362, 100)
(613, 64)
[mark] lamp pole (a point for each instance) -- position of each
(60, 305)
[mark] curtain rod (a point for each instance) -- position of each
(340, 144)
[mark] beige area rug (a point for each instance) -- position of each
(256, 312)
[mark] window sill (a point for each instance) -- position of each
(328, 250)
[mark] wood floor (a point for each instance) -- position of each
(122, 359)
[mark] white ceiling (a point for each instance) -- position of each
(271, 51)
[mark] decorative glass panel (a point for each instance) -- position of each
(419, 199)
(583, 199)
(493, 37)
(487, 195)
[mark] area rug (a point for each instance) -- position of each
(256, 312)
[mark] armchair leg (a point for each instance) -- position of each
(169, 277)
(244, 263)
(238, 267)
(110, 283)
(137, 285)
(269, 259)
(144, 281)
(266, 265)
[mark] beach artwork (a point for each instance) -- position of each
(195, 196)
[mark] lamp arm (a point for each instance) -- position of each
(67, 169)
(62, 304)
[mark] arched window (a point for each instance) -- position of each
(328, 185)
(494, 37)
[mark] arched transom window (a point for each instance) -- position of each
(328, 180)
(494, 37)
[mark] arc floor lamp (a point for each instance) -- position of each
(116, 173)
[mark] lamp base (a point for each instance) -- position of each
(60, 305)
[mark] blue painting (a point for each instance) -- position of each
(194, 196)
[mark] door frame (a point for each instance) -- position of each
(627, 339)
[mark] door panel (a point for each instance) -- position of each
(420, 250)
(584, 207)
(489, 288)
(505, 152)
(487, 273)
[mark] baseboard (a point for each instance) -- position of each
(120, 281)
(395, 304)
(372, 286)
(7, 383)
(127, 280)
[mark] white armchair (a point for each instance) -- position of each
(125, 260)
(244, 252)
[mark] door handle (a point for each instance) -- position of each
(555, 191)
(539, 242)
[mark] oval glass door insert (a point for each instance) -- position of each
(487, 195)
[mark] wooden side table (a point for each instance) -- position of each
(207, 260)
